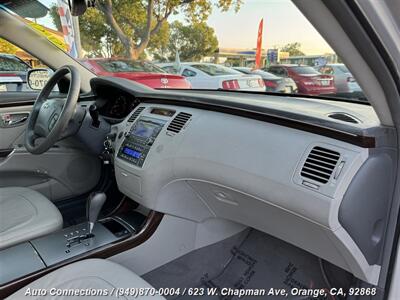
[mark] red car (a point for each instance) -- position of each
(309, 81)
(140, 71)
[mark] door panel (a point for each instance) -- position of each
(61, 172)
(64, 171)
(12, 135)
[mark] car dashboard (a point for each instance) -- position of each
(294, 168)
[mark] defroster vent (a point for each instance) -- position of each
(320, 164)
(178, 122)
(344, 117)
(135, 114)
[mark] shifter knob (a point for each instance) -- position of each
(93, 207)
(94, 113)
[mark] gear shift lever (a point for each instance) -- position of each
(93, 206)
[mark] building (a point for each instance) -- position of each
(310, 60)
(235, 57)
(56, 37)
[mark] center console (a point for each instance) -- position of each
(139, 139)
(66, 244)
(146, 140)
(72, 241)
(58, 247)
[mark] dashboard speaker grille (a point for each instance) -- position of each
(178, 122)
(135, 114)
(320, 164)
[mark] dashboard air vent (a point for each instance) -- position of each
(344, 117)
(178, 122)
(320, 164)
(135, 114)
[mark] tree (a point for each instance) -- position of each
(55, 17)
(128, 27)
(192, 42)
(136, 22)
(98, 38)
(293, 49)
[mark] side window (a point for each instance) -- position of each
(14, 66)
(188, 73)
(272, 70)
(279, 72)
(170, 70)
(283, 72)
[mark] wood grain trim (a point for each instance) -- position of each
(17, 103)
(358, 140)
(153, 220)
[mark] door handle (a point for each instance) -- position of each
(6, 152)
(18, 121)
(13, 119)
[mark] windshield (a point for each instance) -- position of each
(343, 68)
(216, 70)
(116, 66)
(207, 44)
(244, 70)
(265, 74)
(305, 70)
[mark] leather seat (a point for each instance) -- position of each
(87, 276)
(24, 215)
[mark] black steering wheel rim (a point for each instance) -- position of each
(49, 118)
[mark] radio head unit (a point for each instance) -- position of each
(139, 140)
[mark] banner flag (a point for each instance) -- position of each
(259, 45)
(67, 27)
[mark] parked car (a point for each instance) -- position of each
(140, 71)
(272, 82)
(309, 81)
(344, 80)
(13, 72)
(214, 76)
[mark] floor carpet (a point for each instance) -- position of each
(249, 260)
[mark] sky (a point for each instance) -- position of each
(283, 24)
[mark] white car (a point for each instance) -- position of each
(203, 194)
(214, 76)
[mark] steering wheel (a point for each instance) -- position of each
(50, 117)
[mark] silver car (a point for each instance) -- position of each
(344, 80)
(272, 82)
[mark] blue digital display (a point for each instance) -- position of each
(131, 152)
